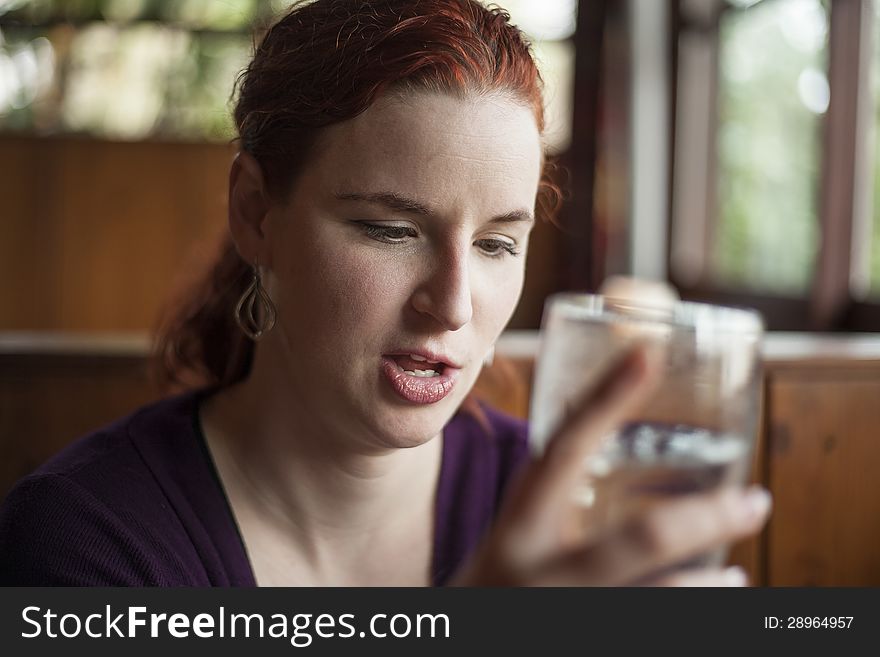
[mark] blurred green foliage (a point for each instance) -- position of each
(772, 93)
(125, 69)
(138, 69)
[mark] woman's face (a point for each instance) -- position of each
(399, 258)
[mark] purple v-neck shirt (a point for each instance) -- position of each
(139, 503)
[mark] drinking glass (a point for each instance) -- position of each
(697, 432)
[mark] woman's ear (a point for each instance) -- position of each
(249, 206)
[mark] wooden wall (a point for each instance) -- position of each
(94, 234)
(822, 461)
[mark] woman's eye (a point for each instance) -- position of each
(389, 234)
(497, 248)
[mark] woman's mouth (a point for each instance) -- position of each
(418, 379)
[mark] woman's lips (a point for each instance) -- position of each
(416, 389)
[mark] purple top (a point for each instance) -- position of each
(139, 503)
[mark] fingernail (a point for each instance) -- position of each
(735, 576)
(757, 502)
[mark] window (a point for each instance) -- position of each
(123, 69)
(772, 94)
(550, 26)
(775, 141)
(136, 69)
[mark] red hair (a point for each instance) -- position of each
(325, 62)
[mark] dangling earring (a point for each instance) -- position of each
(255, 312)
(490, 357)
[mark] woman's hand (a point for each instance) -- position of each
(530, 543)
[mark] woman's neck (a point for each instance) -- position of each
(331, 495)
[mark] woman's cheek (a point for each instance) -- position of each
(356, 281)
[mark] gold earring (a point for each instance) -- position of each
(255, 313)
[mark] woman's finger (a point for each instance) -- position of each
(671, 533)
(538, 505)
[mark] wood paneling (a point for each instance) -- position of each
(823, 464)
(507, 385)
(95, 234)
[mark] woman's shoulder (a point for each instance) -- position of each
(120, 443)
(114, 507)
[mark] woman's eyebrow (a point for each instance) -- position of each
(392, 200)
(512, 217)
(402, 203)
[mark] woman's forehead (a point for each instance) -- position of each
(433, 140)
(474, 114)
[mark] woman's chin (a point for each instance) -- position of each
(411, 427)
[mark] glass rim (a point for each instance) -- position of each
(681, 314)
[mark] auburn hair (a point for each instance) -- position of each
(324, 62)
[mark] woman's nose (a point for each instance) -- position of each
(445, 294)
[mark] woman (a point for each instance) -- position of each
(379, 214)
